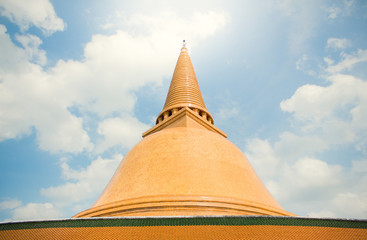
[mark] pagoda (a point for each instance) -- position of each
(184, 165)
(185, 180)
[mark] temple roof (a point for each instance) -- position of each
(214, 227)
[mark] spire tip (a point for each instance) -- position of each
(184, 45)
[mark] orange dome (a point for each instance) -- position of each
(184, 171)
(184, 165)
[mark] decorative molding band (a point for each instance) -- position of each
(181, 205)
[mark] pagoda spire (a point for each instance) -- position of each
(184, 106)
(184, 90)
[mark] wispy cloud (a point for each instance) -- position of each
(38, 13)
(10, 204)
(31, 45)
(339, 9)
(36, 211)
(30, 211)
(348, 62)
(338, 43)
(306, 65)
(82, 185)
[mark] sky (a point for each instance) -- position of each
(80, 81)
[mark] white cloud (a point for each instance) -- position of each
(304, 18)
(263, 158)
(348, 62)
(328, 61)
(31, 45)
(311, 173)
(168, 24)
(62, 134)
(345, 205)
(338, 43)
(227, 109)
(333, 12)
(124, 132)
(351, 204)
(301, 145)
(322, 214)
(81, 188)
(82, 185)
(10, 54)
(336, 113)
(29, 98)
(305, 64)
(290, 177)
(39, 13)
(227, 113)
(342, 9)
(36, 211)
(359, 166)
(10, 204)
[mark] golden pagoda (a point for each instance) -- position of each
(185, 180)
(184, 165)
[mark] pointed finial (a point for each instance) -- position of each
(183, 45)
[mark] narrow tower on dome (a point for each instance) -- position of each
(184, 90)
(184, 165)
(184, 98)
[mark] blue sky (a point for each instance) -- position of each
(80, 81)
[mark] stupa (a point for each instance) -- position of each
(185, 180)
(184, 165)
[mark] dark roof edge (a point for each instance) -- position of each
(186, 221)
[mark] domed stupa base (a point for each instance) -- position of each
(172, 172)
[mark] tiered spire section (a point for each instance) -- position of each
(184, 105)
(184, 90)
